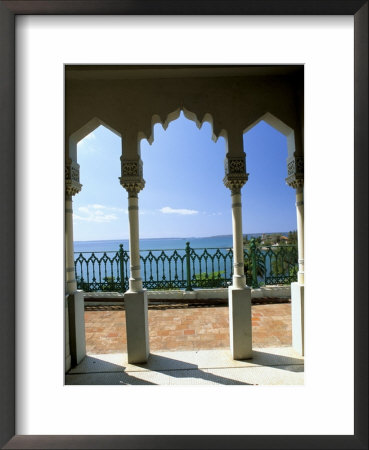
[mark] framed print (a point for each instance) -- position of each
(52, 427)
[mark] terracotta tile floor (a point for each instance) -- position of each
(185, 327)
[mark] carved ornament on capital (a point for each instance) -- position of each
(132, 176)
(133, 187)
(235, 173)
(295, 172)
(72, 184)
(131, 168)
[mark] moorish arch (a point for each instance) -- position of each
(199, 117)
(131, 100)
(73, 187)
(295, 179)
(74, 302)
(84, 131)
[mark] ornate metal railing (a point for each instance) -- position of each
(270, 265)
(187, 268)
(108, 272)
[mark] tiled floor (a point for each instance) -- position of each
(268, 366)
(185, 327)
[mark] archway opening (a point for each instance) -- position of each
(100, 226)
(99, 209)
(270, 220)
(183, 169)
(269, 201)
(186, 215)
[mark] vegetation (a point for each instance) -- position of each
(109, 284)
(260, 269)
(214, 279)
(279, 259)
(292, 237)
(284, 263)
(255, 257)
(273, 239)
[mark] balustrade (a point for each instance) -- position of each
(187, 268)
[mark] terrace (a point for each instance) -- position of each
(192, 325)
(189, 344)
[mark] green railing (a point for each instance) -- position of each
(187, 268)
(108, 272)
(271, 265)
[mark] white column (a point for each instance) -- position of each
(239, 279)
(295, 179)
(239, 295)
(135, 299)
(74, 308)
(300, 231)
(298, 288)
(135, 280)
(70, 279)
(72, 187)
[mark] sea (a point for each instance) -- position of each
(223, 241)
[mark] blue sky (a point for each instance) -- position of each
(184, 194)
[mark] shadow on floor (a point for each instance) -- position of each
(282, 362)
(95, 371)
(180, 369)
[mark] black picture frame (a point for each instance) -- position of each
(8, 11)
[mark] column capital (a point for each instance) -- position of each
(235, 173)
(295, 172)
(132, 176)
(72, 184)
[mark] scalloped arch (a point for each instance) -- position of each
(198, 117)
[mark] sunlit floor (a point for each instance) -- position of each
(177, 328)
(268, 366)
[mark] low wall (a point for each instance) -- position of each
(219, 295)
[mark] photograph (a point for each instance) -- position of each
(184, 224)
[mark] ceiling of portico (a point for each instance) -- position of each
(131, 99)
(120, 72)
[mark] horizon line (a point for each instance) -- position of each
(184, 237)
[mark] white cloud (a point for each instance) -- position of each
(96, 206)
(97, 213)
(184, 212)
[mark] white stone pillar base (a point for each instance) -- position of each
(137, 325)
(240, 331)
(76, 316)
(297, 315)
(68, 359)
